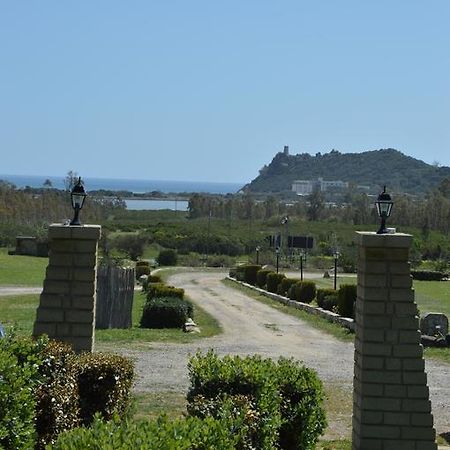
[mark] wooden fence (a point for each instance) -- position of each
(115, 289)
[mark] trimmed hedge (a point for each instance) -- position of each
(142, 270)
(46, 384)
(273, 280)
(346, 300)
(104, 384)
(326, 298)
(281, 401)
(16, 403)
(303, 291)
(261, 277)
(428, 275)
(156, 290)
(168, 257)
(160, 434)
(247, 273)
(285, 285)
(166, 312)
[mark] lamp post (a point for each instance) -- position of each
(258, 248)
(384, 205)
(77, 197)
(336, 256)
(302, 255)
(277, 251)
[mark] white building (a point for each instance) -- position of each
(305, 187)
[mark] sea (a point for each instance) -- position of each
(136, 186)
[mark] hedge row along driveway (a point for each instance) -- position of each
(250, 327)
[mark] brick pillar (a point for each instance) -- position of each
(391, 406)
(66, 309)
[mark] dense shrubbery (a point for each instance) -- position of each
(281, 401)
(167, 257)
(104, 383)
(428, 275)
(327, 298)
(261, 277)
(154, 290)
(285, 285)
(49, 389)
(142, 270)
(247, 273)
(273, 279)
(303, 291)
(346, 300)
(160, 434)
(166, 312)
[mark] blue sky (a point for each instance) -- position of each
(210, 91)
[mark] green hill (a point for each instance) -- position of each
(376, 168)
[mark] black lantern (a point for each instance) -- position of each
(277, 252)
(384, 207)
(336, 255)
(77, 197)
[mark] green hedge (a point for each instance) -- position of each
(428, 275)
(166, 312)
(168, 257)
(104, 384)
(142, 270)
(57, 398)
(16, 403)
(326, 298)
(303, 291)
(273, 280)
(160, 434)
(155, 290)
(49, 389)
(285, 285)
(247, 273)
(346, 300)
(261, 277)
(281, 401)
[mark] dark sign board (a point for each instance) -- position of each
(274, 240)
(300, 242)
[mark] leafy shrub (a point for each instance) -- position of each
(428, 275)
(142, 270)
(104, 383)
(159, 434)
(232, 273)
(247, 273)
(261, 277)
(166, 312)
(57, 396)
(133, 245)
(303, 291)
(346, 300)
(285, 285)
(167, 257)
(322, 294)
(273, 280)
(282, 401)
(161, 290)
(16, 402)
(142, 263)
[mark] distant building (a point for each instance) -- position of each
(305, 187)
(286, 150)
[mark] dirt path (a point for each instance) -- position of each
(251, 327)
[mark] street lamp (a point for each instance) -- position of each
(258, 248)
(302, 255)
(336, 256)
(277, 251)
(384, 207)
(77, 197)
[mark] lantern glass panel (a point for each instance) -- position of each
(78, 200)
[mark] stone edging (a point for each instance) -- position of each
(328, 315)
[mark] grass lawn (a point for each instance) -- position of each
(20, 312)
(18, 270)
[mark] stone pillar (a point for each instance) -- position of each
(66, 309)
(391, 406)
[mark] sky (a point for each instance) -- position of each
(212, 90)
